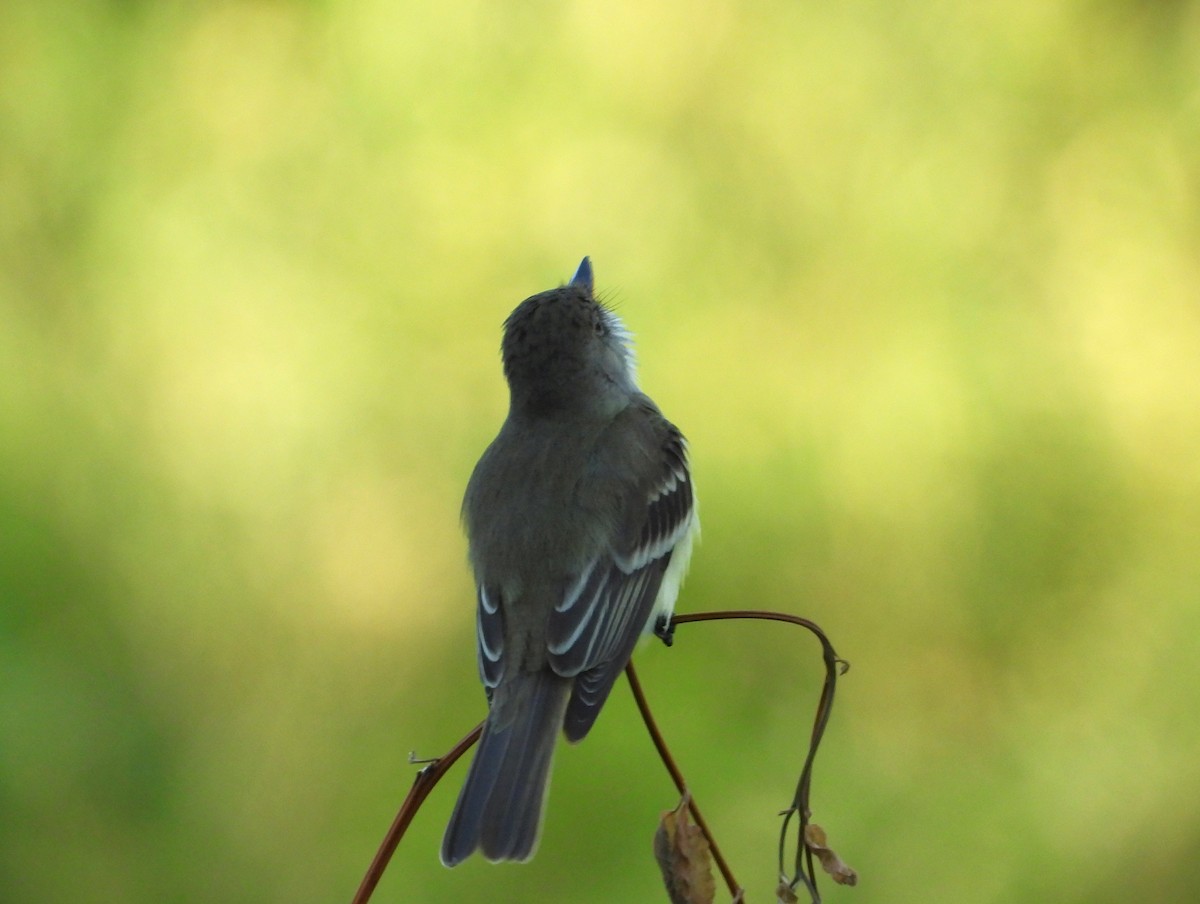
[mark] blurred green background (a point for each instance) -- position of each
(921, 283)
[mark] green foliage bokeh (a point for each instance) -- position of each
(920, 282)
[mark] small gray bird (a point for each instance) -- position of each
(580, 517)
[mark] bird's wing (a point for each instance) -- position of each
(594, 628)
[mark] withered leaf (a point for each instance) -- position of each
(785, 895)
(815, 841)
(683, 856)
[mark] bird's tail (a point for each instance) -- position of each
(499, 809)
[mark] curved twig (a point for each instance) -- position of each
(428, 777)
(421, 786)
(664, 753)
(804, 872)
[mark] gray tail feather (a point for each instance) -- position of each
(499, 809)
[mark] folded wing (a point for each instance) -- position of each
(594, 629)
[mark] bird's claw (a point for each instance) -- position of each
(664, 630)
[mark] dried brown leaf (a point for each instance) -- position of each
(683, 856)
(785, 895)
(815, 841)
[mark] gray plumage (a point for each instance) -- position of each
(580, 517)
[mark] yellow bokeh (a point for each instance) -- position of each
(919, 283)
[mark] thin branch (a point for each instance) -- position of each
(424, 782)
(805, 873)
(664, 753)
(428, 777)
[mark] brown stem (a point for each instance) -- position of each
(425, 781)
(805, 872)
(428, 777)
(664, 753)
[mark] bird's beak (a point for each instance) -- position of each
(583, 276)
